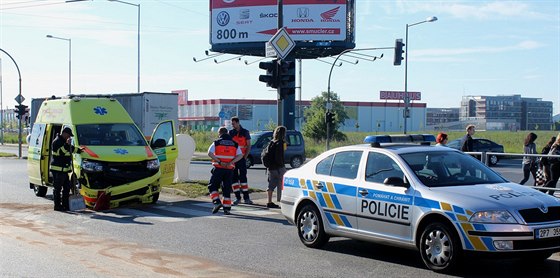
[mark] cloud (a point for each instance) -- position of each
(524, 45)
(480, 10)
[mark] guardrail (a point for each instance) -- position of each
(484, 159)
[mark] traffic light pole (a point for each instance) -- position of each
(19, 98)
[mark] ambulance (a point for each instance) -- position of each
(116, 160)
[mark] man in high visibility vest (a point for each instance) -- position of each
(224, 153)
(243, 138)
(61, 165)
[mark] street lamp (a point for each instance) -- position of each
(138, 40)
(69, 60)
(406, 97)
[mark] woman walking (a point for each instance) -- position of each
(554, 165)
(529, 162)
(544, 164)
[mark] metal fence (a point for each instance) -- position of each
(485, 155)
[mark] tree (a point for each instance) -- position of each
(315, 126)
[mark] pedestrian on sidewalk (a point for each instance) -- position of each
(554, 166)
(529, 164)
(224, 153)
(243, 138)
(277, 168)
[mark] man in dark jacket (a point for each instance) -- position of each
(467, 142)
(61, 165)
(277, 169)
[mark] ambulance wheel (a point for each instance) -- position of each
(310, 227)
(40, 191)
(155, 198)
(439, 247)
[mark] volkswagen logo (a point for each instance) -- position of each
(222, 18)
(543, 208)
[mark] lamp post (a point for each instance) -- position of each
(406, 97)
(138, 40)
(69, 60)
(329, 104)
(138, 32)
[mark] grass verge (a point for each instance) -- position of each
(195, 189)
(7, 154)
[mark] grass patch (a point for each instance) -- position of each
(195, 189)
(7, 154)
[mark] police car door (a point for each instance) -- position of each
(335, 188)
(384, 209)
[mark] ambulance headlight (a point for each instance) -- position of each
(493, 216)
(92, 166)
(153, 164)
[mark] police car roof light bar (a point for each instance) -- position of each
(376, 140)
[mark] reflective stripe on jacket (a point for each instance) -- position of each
(61, 155)
(225, 150)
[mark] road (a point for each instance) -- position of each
(180, 237)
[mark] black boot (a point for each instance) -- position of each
(217, 206)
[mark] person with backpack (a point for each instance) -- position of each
(529, 162)
(554, 165)
(544, 163)
(273, 160)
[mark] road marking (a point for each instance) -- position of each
(250, 210)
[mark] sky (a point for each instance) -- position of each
(474, 48)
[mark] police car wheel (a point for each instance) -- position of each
(40, 191)
(439, 248)
(310, 227)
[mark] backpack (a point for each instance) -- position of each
(267, 155)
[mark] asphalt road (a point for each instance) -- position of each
(180, 237)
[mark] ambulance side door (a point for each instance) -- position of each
(384, 209)
(35, 158)
(164, 144)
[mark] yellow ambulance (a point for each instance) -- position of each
(116, 160)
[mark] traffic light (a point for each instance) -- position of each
(287, 74)
(329, 117)
(271, 77)
(16, 111)
(398, 52)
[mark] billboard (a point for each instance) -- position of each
(244, 23)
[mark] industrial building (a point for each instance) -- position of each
(259, 114)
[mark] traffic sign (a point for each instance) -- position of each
(282, 43)
(19, 99)
(269, 51)
(221, 114)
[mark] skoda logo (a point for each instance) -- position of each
(222, 18)
(228, 1)
(543, 208)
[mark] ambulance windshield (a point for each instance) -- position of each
(109, 135)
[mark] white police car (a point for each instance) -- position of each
(438, 200)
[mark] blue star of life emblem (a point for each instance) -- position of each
(100, 110)
(121, 151)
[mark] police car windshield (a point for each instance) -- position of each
(449, 168)
(109, 135)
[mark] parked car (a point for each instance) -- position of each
(482, 145)
(294, 154)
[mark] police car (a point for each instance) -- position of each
(437, 200)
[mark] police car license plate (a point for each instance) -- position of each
(548, 232)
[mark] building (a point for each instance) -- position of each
(511, 112)
(441, 118)
(262, 114)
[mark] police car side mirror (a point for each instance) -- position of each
(395, 181)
